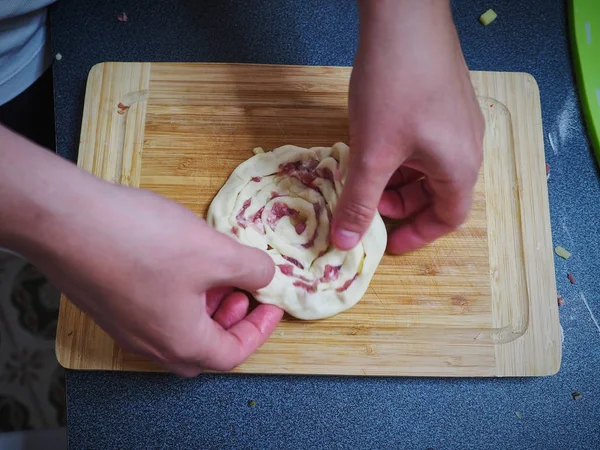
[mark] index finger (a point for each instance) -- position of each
(233, 263)
(229, 348)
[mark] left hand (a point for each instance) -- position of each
(150, 272)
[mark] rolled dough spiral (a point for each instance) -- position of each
(282, 202)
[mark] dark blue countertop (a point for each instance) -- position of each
(124, 410)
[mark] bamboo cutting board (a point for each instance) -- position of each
(479, 302)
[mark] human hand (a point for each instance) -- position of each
(160, 281)
(416, 128)
(151, 273)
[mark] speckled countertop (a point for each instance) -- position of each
(124, 410)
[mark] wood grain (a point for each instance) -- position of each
(479, 302)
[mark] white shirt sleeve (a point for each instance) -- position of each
(24, 50)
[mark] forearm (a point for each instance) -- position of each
(39, 195)
(402, 14)
(397, 28)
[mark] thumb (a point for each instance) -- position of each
(244, 267)
(358, 202)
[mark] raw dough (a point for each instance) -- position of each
(281, 202)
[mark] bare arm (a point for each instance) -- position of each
(149, 271)
(416, 129)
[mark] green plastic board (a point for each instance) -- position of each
(584, 27)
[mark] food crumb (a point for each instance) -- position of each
(561, 300)
(562, 252)
(121, 108)
(257, 150)
(518, 414)
(122, 17)
(571, 278)
(251, 403)
(58, 57)
(488, 17)
(577, 395)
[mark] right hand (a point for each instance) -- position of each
(416, 128)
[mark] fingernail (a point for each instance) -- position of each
(347, 239)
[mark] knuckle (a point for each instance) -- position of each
(378, 170)
(463, 170)
(357, 215)
(232, 262)
(457, 220)
(459, 215)
(249, 262)
(222, 363)
(179, 353)
(373, 163)
(264, 265)
(469, 176)
(235, 266)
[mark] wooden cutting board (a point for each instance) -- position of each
(479, 302)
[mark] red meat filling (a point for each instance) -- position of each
(307, 287)
(286, 269)
(347, 284)
(331, 273)
(241, 220)
(293, 261)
